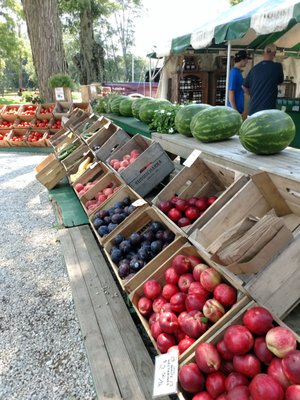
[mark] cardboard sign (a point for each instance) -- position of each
(59, 93)
(165, 374)
(93, 89)
(192, 158)
(139, 202)
(295, 108)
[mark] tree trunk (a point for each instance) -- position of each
(90, 60)
(45, 35)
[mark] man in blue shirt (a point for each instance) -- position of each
(235, 90)
(261, 83)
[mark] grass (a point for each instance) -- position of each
(13, 98)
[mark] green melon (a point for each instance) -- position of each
(267, 132)
(137, 104)
(148, 109)
(101, 106)
(184, 116)
(115, 104)
(215, 124)
(125, 107)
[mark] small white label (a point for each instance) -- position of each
(93, 89)
(192, 158)
(165, 374)
(85, 153)
(139, 203)
(283, 108)
(93, 165)
(64, 120)
(59, 93)
(295, 108)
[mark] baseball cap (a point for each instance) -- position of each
(242, 55)
(270, 48)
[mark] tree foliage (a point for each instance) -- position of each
(234, 2)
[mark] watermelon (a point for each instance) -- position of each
(109, 99)
(267, 132)
(115, 104)
(137, 104)
(215, 124)
(125, 107)
(184, 116)
(147, 109)
(101, 106)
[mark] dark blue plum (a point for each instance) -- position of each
(98, 222)
(118, 239)
(116, 255)
(103, 230)
(156, 246)
(156, 226)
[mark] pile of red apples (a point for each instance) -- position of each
(120, 165)
(82, 188)
(185, 211)
(181, 308)
(254, 359)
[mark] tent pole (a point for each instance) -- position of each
(227, 71)
(150, 78)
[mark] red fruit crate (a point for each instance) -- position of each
(138, 225)
(71, 160)
(62, 109)
(44, 111)
(112, 142)
(6, 124)
(123, 193)
(17, 138)
(36, 138)
(39, 124)
(55, 124)
(10, 112)
(92, 175)
(159, 275)
(213, 340)
(4, 134)
(91, 199)
(264, 193)
(142, 163)
(201, 180)
(79, 167)
(50, 172)
(27, 112)
(21, 124)
(86, 107)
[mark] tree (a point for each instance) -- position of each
(234, 2)
(45, 35)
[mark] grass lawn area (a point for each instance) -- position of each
(13, 98)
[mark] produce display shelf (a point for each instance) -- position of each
(130, 125)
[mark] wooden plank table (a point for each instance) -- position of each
(230, 153)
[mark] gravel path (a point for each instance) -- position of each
(42, 354)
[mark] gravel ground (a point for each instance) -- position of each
(41, 347)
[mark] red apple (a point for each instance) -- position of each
(235, 379)
(291, 366)
(261, 351)
(225, 294)
(215, 384)
(192, 213)
(164, 341)
(165, 206)
(207, 358)
(226, 367)
(194, 260)
(258, 320)
(185, 281)
(293, 393)
(174, 214)
(275, 369)
(173, 348)
(171, 276)
(168, 322)
(192, 201)
(210, 278)
(168, 290)
(184, 222)
(181, 264)
(181, 317)
(185, 343)
(152, 289)
(166, 308)
(79, 187)
(194, 301)
(156, 329)
(191, 378)
(239, 393)
(124, 163)
(144, 306)
(181, 204)
(179, 334)
(197, 270)
(196, 287)
(264, 386)
(153, 318)
(194, 324)
(247, 364)
(202, 203)
(177, 302)
(224, 353)
(211, 200)
(108, 191)
(213, 310)
(280, 341)
(202, 396)
(158, 303)
(238, 339)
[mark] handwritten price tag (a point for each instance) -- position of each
(139, 202)
(165, 374)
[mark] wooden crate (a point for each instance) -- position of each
(35, 121)
(120, 195)
(85, 124)
(52, 123)
(203, 179)
(6, 124)
(41, 142)
(236, 319)
(62, 109)
(94, 173)
(111, 144)
(50, 171)
(22, 124)
(159, 275)
(47, 115)
(10, 112)
(59, 136)
(90, 133)
(261, 194)
(65, 140)
(149, 169)
(5, 133)
(139, 224)
(76, 117)
(75, 156)
(102, 184)
(23, 109)
(85, 106)
(80, 166)
(18, 133)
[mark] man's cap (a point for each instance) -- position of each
(270, 48)
(242, 55)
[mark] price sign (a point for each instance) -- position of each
(64, 120)
(59, 93)
(192, 158)
(93, 89)
(283, 108)
(295, 108)
(139, 202)
(165, 374)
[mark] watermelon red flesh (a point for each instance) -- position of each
(267, 132)
(184, 116)
(215, 124)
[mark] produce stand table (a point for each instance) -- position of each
(130, 125)
(230, 153)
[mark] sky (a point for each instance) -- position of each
(165, 19)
